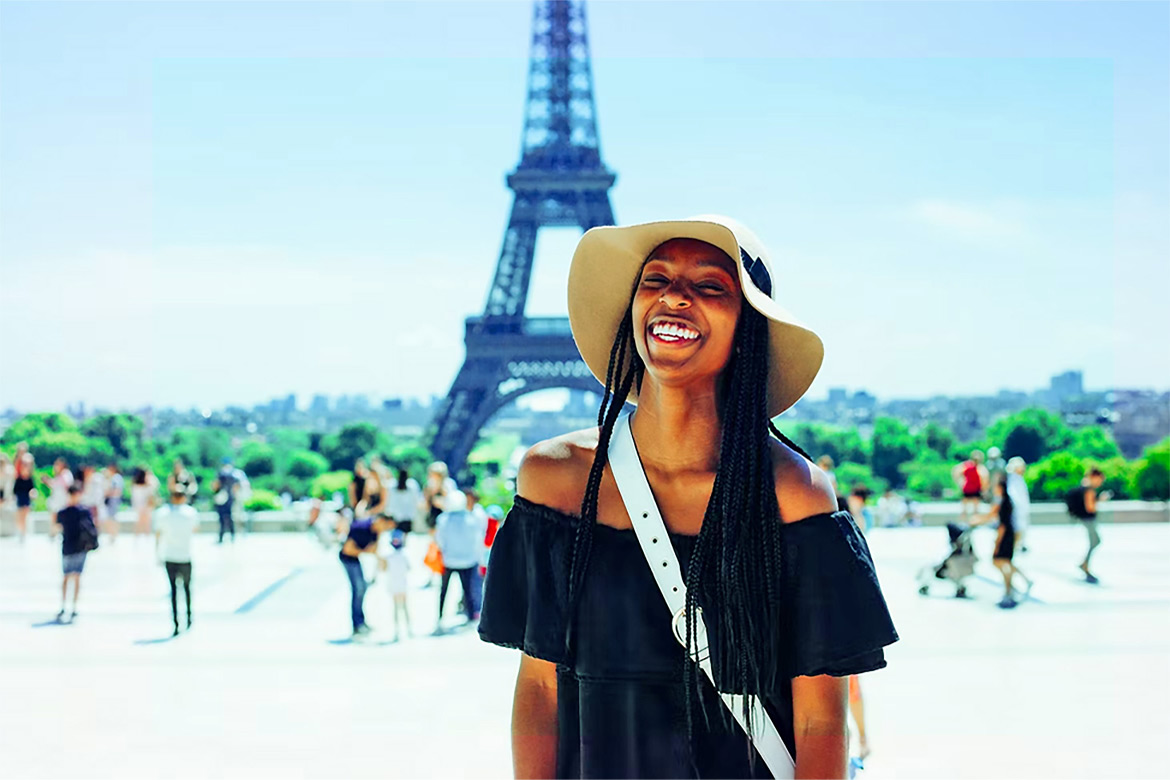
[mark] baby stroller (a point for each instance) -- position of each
(956, 567)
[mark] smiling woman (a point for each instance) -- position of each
(763, 599)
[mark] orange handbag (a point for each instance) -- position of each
(433, 560)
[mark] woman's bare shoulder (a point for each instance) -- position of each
(802, 488)
(554, 472)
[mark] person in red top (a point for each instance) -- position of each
(971, 478)
(495, 516)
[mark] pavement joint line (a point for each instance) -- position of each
(255, 601)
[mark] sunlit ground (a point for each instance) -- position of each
(1072, 684)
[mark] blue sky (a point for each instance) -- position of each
(204, 203)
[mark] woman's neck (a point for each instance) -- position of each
(677, 429)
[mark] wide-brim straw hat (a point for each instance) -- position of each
(609, 260)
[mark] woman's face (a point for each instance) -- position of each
(685, 310)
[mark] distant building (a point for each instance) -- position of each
(1141, 418)
(1070, 384)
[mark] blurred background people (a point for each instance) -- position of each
(7, 478)
(58, 484)
(996, 469)
(826, 464)
(396, 572)
(372, 500)
(1005, 543)
(174, 526)
(143, 497)
(93, 493)
(402, 501)
(115, 488)
(891, 509)
(24, 490)
(439, 485)
(459, 533)
(970, 477)
(357, 484)
(1017, 490)
(78, 538)
(182, 479)
(1082, 504)
(857, 504)
(361, 539)
(225, 487)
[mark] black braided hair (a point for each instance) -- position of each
(735, 563)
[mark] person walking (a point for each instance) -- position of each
(182, 479)
(971, 478)
(996, 469)
(174, 526)
(225, 489)
(1017, 490)
(460, 532)
(1005, 543)
(24, 490)
(78, 539)
(694, 500)
(1082, 504)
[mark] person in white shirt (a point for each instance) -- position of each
(174, 525)
(1017, 490)
(395, 571)
(402, 503)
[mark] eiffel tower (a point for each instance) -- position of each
(560, 181)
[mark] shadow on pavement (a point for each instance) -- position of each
(53, 622)
(158, 641)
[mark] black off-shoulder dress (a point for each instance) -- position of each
(620, 697)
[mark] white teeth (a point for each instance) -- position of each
(668, 331)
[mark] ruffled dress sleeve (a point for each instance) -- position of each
(526, 590)
(838, 619)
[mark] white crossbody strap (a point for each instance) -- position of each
(656, 546)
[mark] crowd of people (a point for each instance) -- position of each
(382, 507)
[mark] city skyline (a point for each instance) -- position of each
(960, 197)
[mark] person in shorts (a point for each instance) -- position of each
(1082, 504)
(78, 535)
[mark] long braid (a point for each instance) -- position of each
(617, 390)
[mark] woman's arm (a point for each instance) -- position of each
(985, 519)
(534, 719)
(819, 725)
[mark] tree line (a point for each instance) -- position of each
(917, 462)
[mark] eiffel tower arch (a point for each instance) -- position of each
(560, 181)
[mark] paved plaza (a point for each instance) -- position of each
(1073, 683)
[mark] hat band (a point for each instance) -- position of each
(757, 272)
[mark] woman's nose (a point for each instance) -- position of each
(675, 297)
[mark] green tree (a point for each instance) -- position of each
(1151, 479)
(939, 439)
(893, 445)
(325, 485)
(122, 431)
(257, 459)
(352, 442)
(1095, 443)
(33, 425)
(843, 445)
(928, 475)
(1053, 477)
(850, 475)
(1119, 476)
(305, 464)
(1031, 434)
(76, 449)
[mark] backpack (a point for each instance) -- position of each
(1074, 500)
(87, 535)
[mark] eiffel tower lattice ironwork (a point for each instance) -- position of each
(560, 181)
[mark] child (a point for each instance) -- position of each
(78, 537)
(396, 567)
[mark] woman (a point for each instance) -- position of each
(143, 496)
(782, 581)
(439, 486)
(402, 502)
(1003, 509)
(373, 498)
(24, 489)
(58, 484)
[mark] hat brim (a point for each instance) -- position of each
(607, 264)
